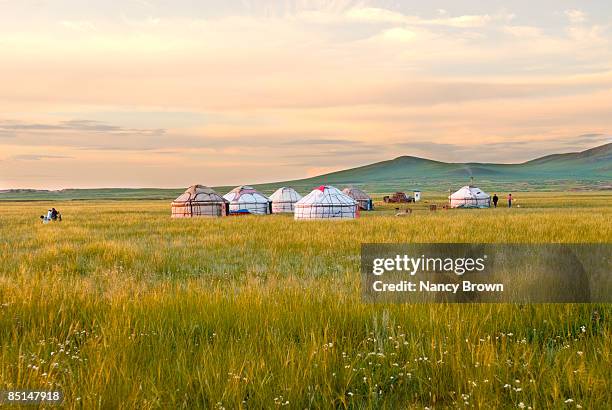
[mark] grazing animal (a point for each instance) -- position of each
(405, 212)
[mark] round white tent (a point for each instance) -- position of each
(199, 200)
(284, 199)
(326, 202)
(247, 200)
(470, 197)
(363, 200)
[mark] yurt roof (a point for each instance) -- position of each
(327, 195)
(199, 193)
(245, 193)
(356, 193)
(469, 192)
(285, 194)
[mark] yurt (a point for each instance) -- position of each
(363, 200)
(326, 202)
(199, 200)
(470, 197)
(247, 200)
(283, 200)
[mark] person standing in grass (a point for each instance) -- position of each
(495, 200)
(509, 200)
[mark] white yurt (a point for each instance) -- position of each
(326, 202)
(199, 200)
(470, 196)
(283, 200)
(245, 199)
(363, 200)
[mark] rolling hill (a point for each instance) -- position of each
(586, 170)
(591, 168)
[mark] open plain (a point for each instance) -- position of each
(120, 306)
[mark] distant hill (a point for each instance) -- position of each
(587, 170)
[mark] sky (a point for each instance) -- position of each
(169, 93)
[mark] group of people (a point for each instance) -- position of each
(52, 215)
(496, 200)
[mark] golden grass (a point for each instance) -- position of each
(120, 306)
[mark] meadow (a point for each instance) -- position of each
(119, 306)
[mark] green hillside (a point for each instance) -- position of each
(590, 169)
(586, 170)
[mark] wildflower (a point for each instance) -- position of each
(569, 401)
(521, 405)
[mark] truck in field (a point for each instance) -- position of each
(398, 198)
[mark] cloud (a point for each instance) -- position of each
(375, 15)
(576, 16)
(88, 135)
(7, 134)
(591, 137)
(77, 125)
(523, 31)
(36, 157)
(78, 25)
(398, 34)
(431, 146)
(461, 21)
(380, 15)
(322, 141)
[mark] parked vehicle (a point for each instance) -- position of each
(398, 197)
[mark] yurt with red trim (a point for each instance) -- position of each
(326, 202)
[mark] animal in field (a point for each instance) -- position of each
(405, 212)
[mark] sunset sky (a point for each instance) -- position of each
(152, 93)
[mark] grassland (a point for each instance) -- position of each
(120, 306)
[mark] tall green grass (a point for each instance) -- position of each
(120, 306)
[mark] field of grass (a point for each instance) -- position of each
(120, 306)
